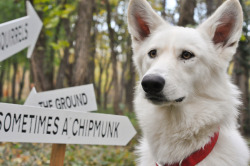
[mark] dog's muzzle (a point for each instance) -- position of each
(153, 84)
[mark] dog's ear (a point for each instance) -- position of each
(142, 19)
(224, 27)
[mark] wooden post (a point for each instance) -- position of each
(57, 154)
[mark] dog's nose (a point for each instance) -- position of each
(152, 83)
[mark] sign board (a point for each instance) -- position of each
(78, 98)
(19, 34)
(20, 123)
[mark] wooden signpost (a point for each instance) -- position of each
(78, 98)
(19, 34)
(39, 120)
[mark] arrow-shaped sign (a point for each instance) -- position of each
(40, 125)
(78, 98)
(19, 34)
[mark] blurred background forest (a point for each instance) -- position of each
(87, 41)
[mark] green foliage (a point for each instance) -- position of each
(60, 44)
(11, 10)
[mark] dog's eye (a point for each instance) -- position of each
(152, 53)
(186, 55)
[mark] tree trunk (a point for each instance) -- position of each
(241, 75)
(107, 86)
(8, 80)
(64, 62)
(212, 5)
(98, 85)
(13, 92)
(130, 82)
(37, 63)
(114, 60)
(1, 82)
(163, 12)
(187, 12)
(210, 9)
(122, 82)
(21, 84)
(91, 70)
(83, 38)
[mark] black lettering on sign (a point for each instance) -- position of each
(41, 122)
(62, 103)
(26, 31)
(104, 131)
(110, 129)
(86, 128)
(16, 34)
(81, 126)
(2, 41)
(58, 105)
(74, 103)
(13, 36)
(35, 125)
(95, 128)
(91, 125)
(85, 99)
(1, 121)
(71, 101)
(78, 100)
(116, 129)
(31, 118)
(97, 125)
(20, 33)
(6, 127)
(73, 126)
(56, 125)
(41, 104)
(46, 104)
(68, 102)
(12, 33)
(24, 123)
(15, 121)
(65, 127)
(50, 104)
(48, 125)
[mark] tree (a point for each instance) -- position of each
(83, 43)
(187, 12)
(111, 32)
(163, 12)
(241, 73)
(130, 78)
(212, 5)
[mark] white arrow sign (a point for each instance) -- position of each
(78, 98)
(19, 34)
(40, 125)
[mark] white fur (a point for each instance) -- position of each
(172, 131)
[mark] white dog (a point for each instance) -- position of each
(185, 102)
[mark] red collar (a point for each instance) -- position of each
(199, 155)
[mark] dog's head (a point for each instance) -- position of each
(175, 63)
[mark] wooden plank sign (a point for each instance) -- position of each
(20, 123)
(19, 34)
(78, 98)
